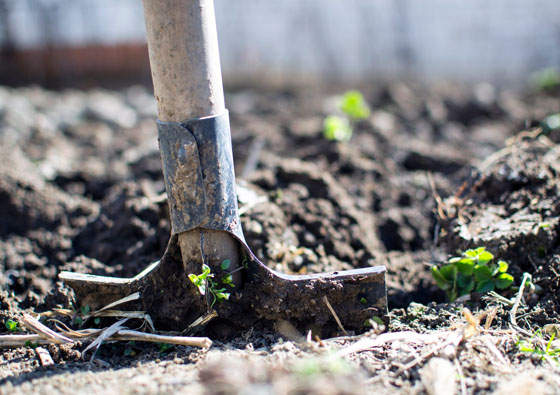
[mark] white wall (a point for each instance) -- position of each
(473, 40)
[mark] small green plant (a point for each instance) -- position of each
(546, 79)
(130, 351)
(475, 271)
(208, 286)
(30, 344)
(312, 367)
(165, 347)
(353, 107)
(12, 326)
(545, 352)
(337, 128)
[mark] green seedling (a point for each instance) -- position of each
(12, 326)
(353, 107)
(546, 352)
(337, 128)
(546, 79)
(165, 347)
(311, 368)
(225, 264)
(131, 349)
(207, 286)
(30, 344)
(475, 271)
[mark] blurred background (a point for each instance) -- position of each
(102, 42)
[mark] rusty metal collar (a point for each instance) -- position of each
(199, 175)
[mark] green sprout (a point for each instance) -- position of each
(12, 326)
(30, 344)
(336, 128)
(205, 282)
(225, 264)
(353, 107)
(545, 352)
(475, 271)
(546, 79)
(165, 347)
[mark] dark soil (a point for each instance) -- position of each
(81, 189)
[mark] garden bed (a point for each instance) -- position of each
(433, 170)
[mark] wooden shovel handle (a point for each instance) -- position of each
(184, 58)
(185, 64)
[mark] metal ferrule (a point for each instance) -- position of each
(197, 163)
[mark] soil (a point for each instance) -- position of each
(434, 170)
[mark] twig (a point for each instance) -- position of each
(35, 326)
(129, 298)
(120, 334)
(461, 376)
(126, 334)
(105, 334)
(22, 340)
(455, 340)
(513, 311)
(389, 337)
(326, 300)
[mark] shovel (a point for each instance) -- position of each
(208, 272)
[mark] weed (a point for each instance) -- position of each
(547, 352)
(130, 351)
(12, 326)
(353, 107)
(337, 128)
(546, 79)
(30, 344)
(165, 347)
(475, 271)
(313, 367)
(205, 282)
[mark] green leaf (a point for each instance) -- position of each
(165, 347)
(85, 309)
(441, 281)
(11, 325)
(336, 128)
(196, 280)
(465, 284)
(228, 280)
(472, 253)
(449, 272)
(354, 105)
(455, 259)
(225, 264)
(503, 266)
(484, 257)
(546, 79)
(205, 271)
(465, 266)
(504, 281)
(97, 320)
(485, 286)
(482, 273)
